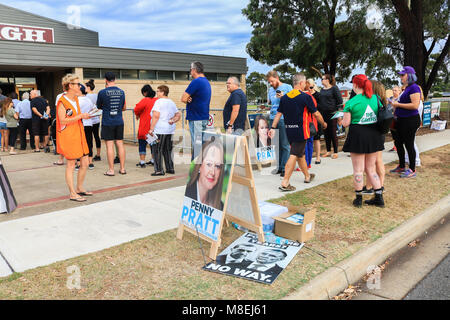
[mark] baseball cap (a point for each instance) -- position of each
(110, 76)
(408, 70)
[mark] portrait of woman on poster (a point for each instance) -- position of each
(206, 179)
(262, 132)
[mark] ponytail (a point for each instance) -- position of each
(362, 82)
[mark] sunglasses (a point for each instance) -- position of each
(78, 84)
(311, 87)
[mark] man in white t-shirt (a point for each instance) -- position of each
(164, 116)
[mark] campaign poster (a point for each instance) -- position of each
(250, 259)
(426, 119)
(207, 185)
(265, 154)
(435, 109)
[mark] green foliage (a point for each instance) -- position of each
(256, 87)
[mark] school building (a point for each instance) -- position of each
(36, 52)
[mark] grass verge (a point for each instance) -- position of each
(161, 267)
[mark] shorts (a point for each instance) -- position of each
(298, 149)
(3, 126)
(109, 133)
(39, 127)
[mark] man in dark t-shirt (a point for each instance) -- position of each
(235, 110)
(296, 107)
(39, 120)
(112, 102)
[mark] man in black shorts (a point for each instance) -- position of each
(112, 101)
(293, 106)
(39, 121)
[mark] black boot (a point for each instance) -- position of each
(358, 200)
(377, 200)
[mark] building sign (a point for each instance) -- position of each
(26, 33)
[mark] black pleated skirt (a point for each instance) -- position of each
(363, 139)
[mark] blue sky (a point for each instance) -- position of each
(200, 26)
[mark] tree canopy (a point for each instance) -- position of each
(331, 36)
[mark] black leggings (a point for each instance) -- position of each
(88, 134)
(95, 130)
(330, 131)
(405, 134)
(13, 136)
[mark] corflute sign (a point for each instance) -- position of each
(26, 33)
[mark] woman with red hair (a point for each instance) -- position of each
(363, 139)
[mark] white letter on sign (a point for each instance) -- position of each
(31, 34)
(10, 33)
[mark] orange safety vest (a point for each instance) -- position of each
(71, 140)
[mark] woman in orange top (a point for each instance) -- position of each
(70, 136)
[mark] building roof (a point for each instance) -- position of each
(15, 53)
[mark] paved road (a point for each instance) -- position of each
(435, 286)
(419, 271)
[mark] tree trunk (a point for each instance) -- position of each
(411, 24)
(436, 66)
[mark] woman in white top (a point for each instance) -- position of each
(3, 128)
(90, 87)
(86, 106)
(164, 116)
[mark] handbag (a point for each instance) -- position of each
(385, 117)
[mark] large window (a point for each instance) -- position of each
(182, 76)
(211, 76)
(147, 74)
(165, 75)
(115, 71)
(91, 73)
(129, 74)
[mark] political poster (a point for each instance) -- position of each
(250, 259)
(207, 186)
(265, 154)
(435, 109)
(426, 119)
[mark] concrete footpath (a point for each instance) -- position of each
(43, 239)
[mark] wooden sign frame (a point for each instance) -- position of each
(246, 180)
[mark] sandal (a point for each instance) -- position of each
(326, 155)
(109, 174)
(122, 172)
(288, 188)
(56, 163)
(80, 199)
(311, 178)
(334, 156)
(85, 193)
(318, 162)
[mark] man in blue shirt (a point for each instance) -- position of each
(23, 110)
(294, 107)
(197, 98)
(112, 101)
(235, 110)
(276, 91)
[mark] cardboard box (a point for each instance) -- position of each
(268, 211)
(296, 231)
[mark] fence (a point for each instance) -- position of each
(182, 136)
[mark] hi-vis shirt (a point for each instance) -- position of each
(363, 110)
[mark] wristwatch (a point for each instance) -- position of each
(228, 125)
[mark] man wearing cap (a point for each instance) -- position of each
(197, 98)
(112, 101)
(407, 122)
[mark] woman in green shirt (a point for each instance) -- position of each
(363, 139)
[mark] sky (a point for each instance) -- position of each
(214, 27)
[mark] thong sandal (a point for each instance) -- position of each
(56, 163)
(288, 188)
(80, 199)
(311, 178)
(84, 194)
(109, 174)
(122, 172)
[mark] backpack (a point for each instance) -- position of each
(385, 117)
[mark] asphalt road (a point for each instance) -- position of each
(435, 286)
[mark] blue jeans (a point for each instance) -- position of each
(284, 145)
(142, 146)
(196, 128)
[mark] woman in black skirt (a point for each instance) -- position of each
(363, 139)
